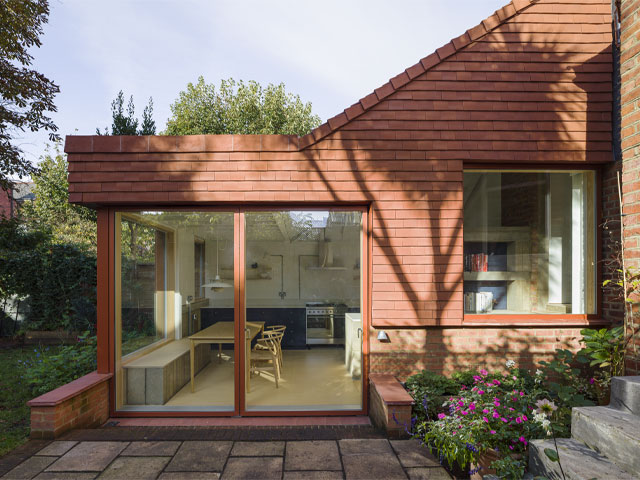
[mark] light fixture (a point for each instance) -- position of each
(217, 284)
(382, 336)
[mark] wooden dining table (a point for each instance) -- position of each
(224, 332)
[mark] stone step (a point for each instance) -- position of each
(578, 462)
(625, 394)
(610, 432)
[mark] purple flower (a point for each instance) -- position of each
(592, 380)
(492, 432)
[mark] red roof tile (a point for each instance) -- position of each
(458, 43)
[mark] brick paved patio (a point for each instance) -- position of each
(93, 454)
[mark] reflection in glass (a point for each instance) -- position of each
(529, 242)
(165, 262)
(303, 290)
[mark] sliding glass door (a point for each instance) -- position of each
(303, 291)
(238, 312)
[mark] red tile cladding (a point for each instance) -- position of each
(499, 98)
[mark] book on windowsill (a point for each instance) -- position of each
(478, 302)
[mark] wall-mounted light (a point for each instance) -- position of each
(382, 336)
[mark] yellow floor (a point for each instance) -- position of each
(314, 379)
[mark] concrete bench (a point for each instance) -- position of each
(154, 378)
(389, 404)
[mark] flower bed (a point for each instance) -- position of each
(498, 413)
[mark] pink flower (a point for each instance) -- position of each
(510, 447)
(514, 377)
(504, 420)
(522, 394)
(518, 420)
(461, 403)
(523, 440)
(511, 409)
(492, 432)
(464, 413)
(496, 415)
(441, 416)
(483, 372)
(496, 382)
(476, 378)
(486, 420)
(480, 392)
(486, 410)
(524, 417)
(454, 432)
(463, 387)
(472, 406)
(496, 402)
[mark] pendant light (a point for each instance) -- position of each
(217, 284)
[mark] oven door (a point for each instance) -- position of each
(319, 327)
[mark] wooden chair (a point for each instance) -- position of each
(278, 329)
(264, 357)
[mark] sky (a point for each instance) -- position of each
(331, 53)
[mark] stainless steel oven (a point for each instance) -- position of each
(325, 323)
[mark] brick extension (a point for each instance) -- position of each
(630, 142)
(83, 403)
(530, 85)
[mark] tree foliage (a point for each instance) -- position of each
(239, 108)
(126, 123)
(51, 211)
(26, 94)
(57, 282)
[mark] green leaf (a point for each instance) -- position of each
(551, 454)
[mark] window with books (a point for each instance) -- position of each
(529, 242)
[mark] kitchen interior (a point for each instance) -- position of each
(302, 280)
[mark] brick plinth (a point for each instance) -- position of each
(445, 350)
(83, 403)
(389, 404)
(630, 143)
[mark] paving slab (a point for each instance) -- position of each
(312, 455)
(66, 476)
(189, 476)
(364, 446)
(426, 473)
(151, 449)
(140, 468)
(257, 449)
(30, 468)
(56, 449)
(368, 466)
(88, 457)
(197, 456)
(317, 475)
(253, 468)
(412, 454)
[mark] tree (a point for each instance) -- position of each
(26, 94)
(51, 211)
(128, 124)
(239, 108)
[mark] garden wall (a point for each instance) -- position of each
(83, 403)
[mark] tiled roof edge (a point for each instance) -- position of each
(489, 24)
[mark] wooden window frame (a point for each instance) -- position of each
(106, 300)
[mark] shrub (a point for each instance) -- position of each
(428, 388)
(47, 371)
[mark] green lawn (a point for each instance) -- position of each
(14, 394)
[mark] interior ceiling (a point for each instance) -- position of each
(266, 226)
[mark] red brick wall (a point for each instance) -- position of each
(630, 141)
(530, 85)
(5, 204)
(83, 403)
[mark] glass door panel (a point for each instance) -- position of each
(302, 308)
(175, 311)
